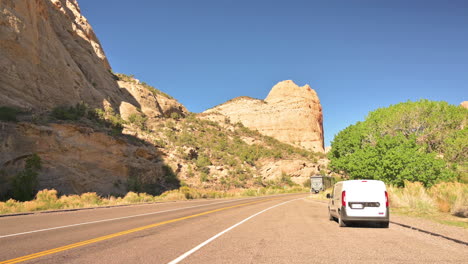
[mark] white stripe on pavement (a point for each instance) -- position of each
(193, 250)
(119, 218)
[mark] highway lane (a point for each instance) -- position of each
(16, 246)
(295, 232)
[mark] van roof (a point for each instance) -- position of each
(370, 182)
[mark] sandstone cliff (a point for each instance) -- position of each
(77, 159)
(49, 56)
(290, 113)
(464, 104)
(153, 103)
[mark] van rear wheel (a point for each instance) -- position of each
(383, 224)
(341, 223)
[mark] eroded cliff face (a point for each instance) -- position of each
(77, 159)
(49, 56)
(464, 104)
(290, 113)
(151, 103)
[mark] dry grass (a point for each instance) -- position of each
(446, 197)
(48, 199)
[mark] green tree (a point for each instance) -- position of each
(403, 142)
(25, 182)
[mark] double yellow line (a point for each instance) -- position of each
(102, 238)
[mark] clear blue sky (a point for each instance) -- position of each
(357, 55)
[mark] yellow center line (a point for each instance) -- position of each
(102, 238)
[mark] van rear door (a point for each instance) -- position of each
(366, 198)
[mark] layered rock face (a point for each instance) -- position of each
(152, 104)
(77, 159)
(49, 56)
(464, 104)
(290, 113)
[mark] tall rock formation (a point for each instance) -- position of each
(290, 113)
(49, 56)
(464, 104)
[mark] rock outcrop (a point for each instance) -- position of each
(77, 159)
(153, 103)
(49, 56)
(464, 104)
(298, 169)
(290, 113)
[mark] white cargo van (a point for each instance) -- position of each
(359, 201)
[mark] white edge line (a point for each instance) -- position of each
(124, 217)
(193, 250)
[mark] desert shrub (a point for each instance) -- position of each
(107, 118)
(451, 197)
(203, 177)
(175, 116)
(250, 192)
(25, 182)
(190, 193)
(413, 195)
(49, 199)
(447, 197)
(307, 183)
(75, 112)
(90, 198)
(134, 184)
(173, 195)
(170, 178)
(138, 120)
(202, 161)
(8, 114)
(286, 179)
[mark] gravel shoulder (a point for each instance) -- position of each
(454, 232)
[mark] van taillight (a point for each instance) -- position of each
(386, 199)
(343, 198)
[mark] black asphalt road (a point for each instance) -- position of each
(294, 229)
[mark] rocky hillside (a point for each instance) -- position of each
(68, 122)
(290, 113)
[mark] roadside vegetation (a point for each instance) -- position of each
(50, 200)
(9, 114)
(224, 156)
(419, 149)
(220, 160)
(422, 141)
(445, 202)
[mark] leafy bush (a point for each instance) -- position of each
(402, 142)
(175, 115)
(139, 120)
(25, 182)
(70, 112)
(8, 114)
(108, 118)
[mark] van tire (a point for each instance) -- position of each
(383, 224)
(330, 217)
(341, 223)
